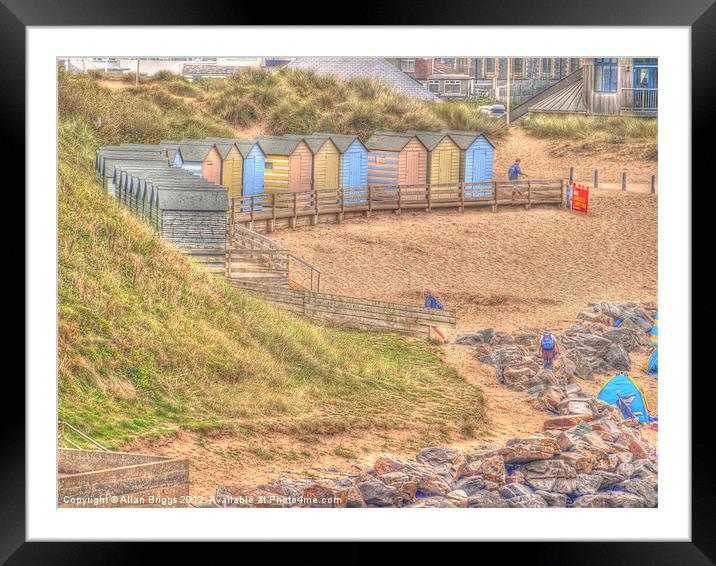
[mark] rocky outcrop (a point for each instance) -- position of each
(578, 461)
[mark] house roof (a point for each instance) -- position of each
(389, 141)
(375, 68)
(211, 70)
(342, 141)
(565, 84)
(464, 138)
(567, 99)
(449, 76)
(278, 145)
(429, 139)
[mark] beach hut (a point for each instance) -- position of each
(197, 158)
(443, 158)
(107, 160)
(288, 165)
(249, 169)
(476, 159)
(326, 161)
(396, 159)
(354, 159)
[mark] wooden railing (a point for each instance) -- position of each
(273, 207)
(247, 243)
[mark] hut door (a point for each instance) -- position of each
(412, 173)
(249, 176)
(332, 172)
(445, 164)
(354, 173)
(211, 171)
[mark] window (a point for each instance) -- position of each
(573, 65)
(434, 86)
(268, 164)
(546, 66)
(605, 75)
(490, 65)
(407, 65)
(453, 87)
(517, 67)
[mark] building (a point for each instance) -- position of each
(602, 86)
(396, 159)
(288, 165)
(373, 68)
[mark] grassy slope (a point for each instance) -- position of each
(640, 133)
(149, 343)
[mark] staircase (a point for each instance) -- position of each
(254, 258)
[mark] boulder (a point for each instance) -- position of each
(510, 490)
(588, 484)
(377, 494)
(565, 422)
(472, 485)
(405, 486)
(520, 450)
(550, 398)
(532, 500)
(386, 464)
(642, 488)
(550, 475)
(484, 336)
(610, 499)
(435, 501)
(553, 499)
(618, 358)
(491, 468)
(439, 456)
(575, 407)
(486, 499)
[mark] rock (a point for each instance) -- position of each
(501, 338)
(550, 398)
(516, 375)
(565, 422)
(631, 340)
(349, 497)
(436, 501)
(484, 336)
(458, 497)
(609, 479)
(490, 468)
(511, 490)
(526, 339)
(642, 488)
(582, 369)
(486, 499)
(553, 499)
(377, 494)
(564, 441)
(610, 499)
(439, 456)
(520, 450)
(386, 464)
(472, 485)
(550, 475)
(626, 470)
(618, 358)
(405, 486)
(532, 500)
(575, 407)
(588, 484)
(638, 449)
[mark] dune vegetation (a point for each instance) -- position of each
(149, 344)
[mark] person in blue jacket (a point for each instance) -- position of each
(432, 303)
(513, 174)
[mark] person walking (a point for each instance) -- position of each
(548, 349)
(513, 174)
(431, 302)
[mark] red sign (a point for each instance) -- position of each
(580, 198)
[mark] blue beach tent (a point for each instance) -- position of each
(622, 391)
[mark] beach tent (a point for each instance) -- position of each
(654, 334)
(622, 391)
(652, 364)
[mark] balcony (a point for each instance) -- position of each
(640, 100)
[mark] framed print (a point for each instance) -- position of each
(400, 279)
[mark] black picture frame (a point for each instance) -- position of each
(699, 15)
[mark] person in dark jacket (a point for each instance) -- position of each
(431, 302)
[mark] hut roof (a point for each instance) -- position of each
(192, 198)
(429, 139)
(342, 141)
(224, 147)
(465, 139)
(315, 143)
(389, 141)
(373, 68)
(194, 151)
(278, 145)
(244, 146)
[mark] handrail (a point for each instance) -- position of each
(311, 270)
(64, 425)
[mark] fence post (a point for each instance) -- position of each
(529, 196)
(314, 218)
(494, 194)
(653, 184)
(253, 207)
(561, 191)
(343, 205)
(370, 201)
(624, 181)
(400, 203)
(430, 197)
(461, 192)
(571, 175)
(596, 178)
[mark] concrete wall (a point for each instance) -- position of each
(89, 478)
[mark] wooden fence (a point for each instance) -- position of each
(267, 212)
(349, 312)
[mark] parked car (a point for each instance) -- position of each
(494, 110)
